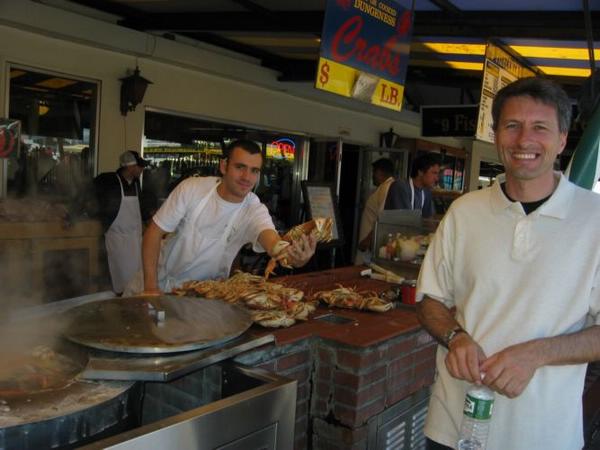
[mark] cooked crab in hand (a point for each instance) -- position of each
(298, 245)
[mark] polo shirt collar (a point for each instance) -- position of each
(556, 206)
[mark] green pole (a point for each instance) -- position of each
(584, 167)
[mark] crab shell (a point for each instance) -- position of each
(272, 319)
(320, 227)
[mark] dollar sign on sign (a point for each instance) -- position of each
(324, 77)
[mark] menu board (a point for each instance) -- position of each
(500, 69)
(319, 200)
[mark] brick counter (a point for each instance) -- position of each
(347, 373)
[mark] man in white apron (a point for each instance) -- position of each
(118, 195)
(415, 193)
(209, 220)
(383, 170)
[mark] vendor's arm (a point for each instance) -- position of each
(296, 254)
(464, 354)
(150, 252)
(509, 371)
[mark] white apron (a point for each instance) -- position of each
(187, 254)
(124, 241)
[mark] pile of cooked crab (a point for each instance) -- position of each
(273, 305)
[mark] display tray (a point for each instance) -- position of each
(163, 324)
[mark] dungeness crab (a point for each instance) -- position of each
(320, 228)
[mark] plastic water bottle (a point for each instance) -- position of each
(477, 415)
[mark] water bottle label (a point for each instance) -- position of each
(478, 408)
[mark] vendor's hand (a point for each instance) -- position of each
(509, 371)
(301, 250)
(465, 358)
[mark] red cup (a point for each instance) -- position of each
(409, 291)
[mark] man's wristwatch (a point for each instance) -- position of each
(451, 334)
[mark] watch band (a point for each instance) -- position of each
(451, 334)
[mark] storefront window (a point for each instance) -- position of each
(58, 128)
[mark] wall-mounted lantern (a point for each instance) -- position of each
(133, 89)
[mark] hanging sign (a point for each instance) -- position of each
(457, 120)
(364, 51)
(500, 69)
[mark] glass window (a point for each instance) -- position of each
(58, 129)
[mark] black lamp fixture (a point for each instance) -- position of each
(133, 89)
(388, 139)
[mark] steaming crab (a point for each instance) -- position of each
(320, 227)
(272, 319)
(270, 304)
(344, 297)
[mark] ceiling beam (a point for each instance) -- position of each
(446, 6)
(525, 24)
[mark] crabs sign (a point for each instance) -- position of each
(364, 50)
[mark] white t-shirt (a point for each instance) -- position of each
(516, 277)
(221, 229)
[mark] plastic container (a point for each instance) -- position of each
(477, 416)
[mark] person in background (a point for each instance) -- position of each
(121, 208)
(210, 219)
(520, 263)
(415, 193)
(383, 169)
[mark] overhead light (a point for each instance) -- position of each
(565, 71)
(43, 107)
(460, 65)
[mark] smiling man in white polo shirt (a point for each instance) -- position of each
(520, 262)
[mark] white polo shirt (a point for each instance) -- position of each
(515, 277)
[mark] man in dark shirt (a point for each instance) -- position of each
(415, 193)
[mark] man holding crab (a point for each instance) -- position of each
(208, 220)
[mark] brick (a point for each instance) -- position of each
(425, 354)
(323, 388)
(358, 381)
(360, 360)
(401, 364)
(401, 348)
(355, 399)
(295, 359)
(393, 397)
(417, 385)
(338, 433)
(371, 410)
(326, 356)
(356, 417)
(324, 372)
(398, 380)
(319, 407)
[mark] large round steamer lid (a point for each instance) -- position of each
(163, 324)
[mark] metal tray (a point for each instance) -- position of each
(165, 324)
